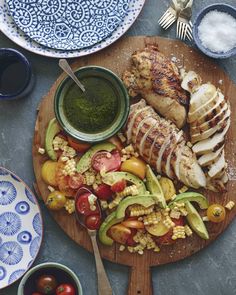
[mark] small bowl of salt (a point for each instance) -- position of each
(214, 31)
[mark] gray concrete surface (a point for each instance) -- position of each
(209, 272)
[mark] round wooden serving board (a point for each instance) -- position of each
(117, 59)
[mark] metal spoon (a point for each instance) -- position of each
(104, 287)
(66, 67)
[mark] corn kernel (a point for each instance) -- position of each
(41, 151)
(230, 205)
(183, 189)
(122, 248)
(205, 218)
(51, 189)
(188, 230)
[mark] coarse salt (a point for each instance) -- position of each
(217, 31)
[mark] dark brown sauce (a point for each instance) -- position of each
(13, 75)
(61, 277)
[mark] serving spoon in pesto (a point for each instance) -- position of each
(63, 64)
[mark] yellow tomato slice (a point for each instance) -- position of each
(135, 166)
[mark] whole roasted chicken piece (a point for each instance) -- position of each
(157, 79)
(162, 145)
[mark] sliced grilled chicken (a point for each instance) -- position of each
(164, 143)
(190, 81)
(211, 130)
(210, 123)
(207, 159)
(217, 167)
(211, 144)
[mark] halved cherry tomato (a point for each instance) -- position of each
(117, 142)
(46, 284)
(78, 145)
(119, 186)
(76, 181)
(65, 289)
(103, 191)
(167, 238)
(107, 161)
(130, 241)
(48, 172)
(83, 205)
(119, 233)
(63, 181)
(135, 166)
(216, 213)
(93, 221)
(131, 223)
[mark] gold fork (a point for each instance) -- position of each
(170, 16)
(184, 25)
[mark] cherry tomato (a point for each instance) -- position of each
(135, 166)
(119, 233)
(107, 161)
(93, 221)
(103, 191)
(63, 181)
(65, 289)
(130, 241)
(119, 186)
(78, 145)
(83, 205)
(76, 181)
(131, 223)
(56, 200)
(216, 213)
(167, 238)
(46, 284)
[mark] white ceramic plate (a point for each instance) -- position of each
(21, 228)
(9, 28)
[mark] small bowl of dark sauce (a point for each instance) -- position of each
(51, 272)
(96, 114)
(15, 74)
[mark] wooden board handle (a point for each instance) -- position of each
(140, 282)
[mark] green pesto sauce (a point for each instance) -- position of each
(95, 109)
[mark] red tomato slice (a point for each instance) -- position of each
(83, 206)
(93, 221)
(65, 289)
(76, 181)
(103, 192)
(130, 223)
(119, 186)
(78, 145)
(63, 181)
(107, 161)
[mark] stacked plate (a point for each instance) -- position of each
(67, 28)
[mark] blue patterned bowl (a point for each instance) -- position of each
(52, 268)
(21, 228)
(222, 8)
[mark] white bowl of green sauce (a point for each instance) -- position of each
(99, 112)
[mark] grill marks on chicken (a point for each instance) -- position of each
(157, 79)
(162, 145)
(209, 119)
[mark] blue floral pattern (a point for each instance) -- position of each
(20, 227)
(67, 21)
(9, 28)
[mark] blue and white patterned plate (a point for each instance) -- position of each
(68, 24)
(9, 28)
(21, 228)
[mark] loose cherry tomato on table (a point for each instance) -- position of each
(106, 161)
(46, 284)
(93, 221)
(65, 289)
(103, 191)
(76, 181)
(119, 186)
(56, 200)
(135, 166)
(79, 146)
(216, 213)
(83, 205)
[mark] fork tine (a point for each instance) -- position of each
(163, 16)
(189, 35)
(166, 22)
(183, 31)
(170, 23)
(177, 31)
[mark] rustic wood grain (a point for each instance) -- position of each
(117, 58)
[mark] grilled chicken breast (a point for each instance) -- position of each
(158, 81)
(162, 145)
(209, 119)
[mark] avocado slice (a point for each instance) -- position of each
(144, 200)
(112, 177)
(195, 221)
(85, 161)
(191, 197)
(107, 223)
(154, 187)
(52, 130)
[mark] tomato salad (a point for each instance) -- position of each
(124, 200)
